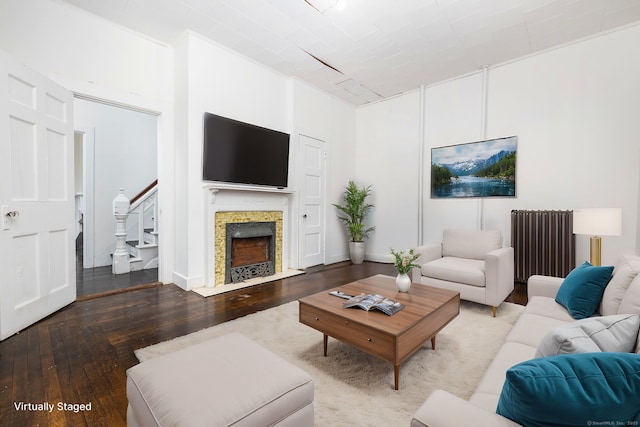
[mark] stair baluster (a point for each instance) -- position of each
(121, 255)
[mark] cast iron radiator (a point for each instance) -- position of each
(543, 243)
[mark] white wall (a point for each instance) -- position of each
(94, 57)
(453, 115)
(216, 80)
(576, 100)
(56, 38)
(222, 82)
(125, 149)
(78, 155)
(329, 119)
(388, 144)
(574, 111)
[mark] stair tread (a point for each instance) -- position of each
(135, 244)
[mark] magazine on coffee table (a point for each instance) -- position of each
(374, 302)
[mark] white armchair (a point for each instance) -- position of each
(472, 262)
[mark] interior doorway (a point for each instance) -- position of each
(118, 149)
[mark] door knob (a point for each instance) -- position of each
(304, 216)
(5, 216)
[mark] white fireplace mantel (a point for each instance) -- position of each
(215, 188)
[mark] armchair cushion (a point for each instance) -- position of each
(581, 291)
(467, 271)
(471, 244)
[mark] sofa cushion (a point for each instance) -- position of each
(547, 307)
(627, 268)
(473, 244)
(573, 390)
(459, 270)
(617, 333)
(581, 291)
(530, 329)
(488, 390)
(630, 303)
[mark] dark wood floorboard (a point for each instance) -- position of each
(93, 281)
(100, 281)
(80, 354)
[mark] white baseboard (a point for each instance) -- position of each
(383, 258)
(187, 283)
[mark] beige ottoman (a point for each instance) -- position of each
(226, 381)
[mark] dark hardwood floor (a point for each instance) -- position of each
(99, 281)
(80, 354)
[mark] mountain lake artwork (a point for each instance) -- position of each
(476, 169)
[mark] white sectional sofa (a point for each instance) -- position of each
(541, 315)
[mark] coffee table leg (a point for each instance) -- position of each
(433, 342)
(326, 339)
(396, 375)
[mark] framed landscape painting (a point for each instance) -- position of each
(475, 169)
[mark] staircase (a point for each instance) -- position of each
(144, 255)
(136, 231)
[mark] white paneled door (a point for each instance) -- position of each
(312, 161)
(37, 261)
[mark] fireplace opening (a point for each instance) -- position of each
(250, 250)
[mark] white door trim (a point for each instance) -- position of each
(88, 180)
(166, 169)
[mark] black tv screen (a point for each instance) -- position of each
(241, 153)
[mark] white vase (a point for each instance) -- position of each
(356, 251)
(403, 282)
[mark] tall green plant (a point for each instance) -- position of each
(355, 208)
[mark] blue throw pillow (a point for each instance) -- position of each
(573, 390)
(582, 289)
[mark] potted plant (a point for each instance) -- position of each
(355, 208)
(403, 264)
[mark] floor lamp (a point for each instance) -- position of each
(596, 223)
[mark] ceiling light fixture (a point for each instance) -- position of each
(340, 4)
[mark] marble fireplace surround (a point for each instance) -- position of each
(234, 204)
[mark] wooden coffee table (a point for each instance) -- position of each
(390, 338)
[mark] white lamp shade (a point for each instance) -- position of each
(598, 222)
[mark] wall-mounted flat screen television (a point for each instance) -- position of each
(242, 153)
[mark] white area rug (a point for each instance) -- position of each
(220, 289)
(355, 389)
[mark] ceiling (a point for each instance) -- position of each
(365, 50)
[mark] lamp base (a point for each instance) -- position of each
(595, 251)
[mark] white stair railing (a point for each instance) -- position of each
(147, 202)
(145, 208)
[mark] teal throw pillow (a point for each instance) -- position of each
(582, 289)
(573, 390)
